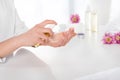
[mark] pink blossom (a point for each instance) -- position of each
(75, 18)
(108, 38)
(117, 38)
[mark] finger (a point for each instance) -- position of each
(48, 32)
(66, 34)
(72, 30)
(70, 35)
(42, 42)
(38, 43)
(64, 38)
(44, 23)
(43, 37)
(45, 31)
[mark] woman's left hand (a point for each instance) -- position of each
(61, 39)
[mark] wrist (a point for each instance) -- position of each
(19, 41)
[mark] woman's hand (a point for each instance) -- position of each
(36, 34)
(61, 39)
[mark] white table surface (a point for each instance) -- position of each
(80, 57)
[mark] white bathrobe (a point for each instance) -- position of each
(24, 65)
(10, 23)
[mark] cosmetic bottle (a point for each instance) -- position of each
(94, 21)
(88, 18)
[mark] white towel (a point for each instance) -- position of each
(113, 74)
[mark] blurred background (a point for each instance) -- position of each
(62, 61)
(35, 11)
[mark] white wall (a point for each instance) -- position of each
(115, 10)
(35, 11)
(26, 11)
(103, 8)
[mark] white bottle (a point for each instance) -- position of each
(94, 21)
(88, 18)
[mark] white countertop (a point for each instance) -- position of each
(80, 57)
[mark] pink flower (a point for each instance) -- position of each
(108, 39)
(75, 18)
(117, 38)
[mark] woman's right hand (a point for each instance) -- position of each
(36, 34)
